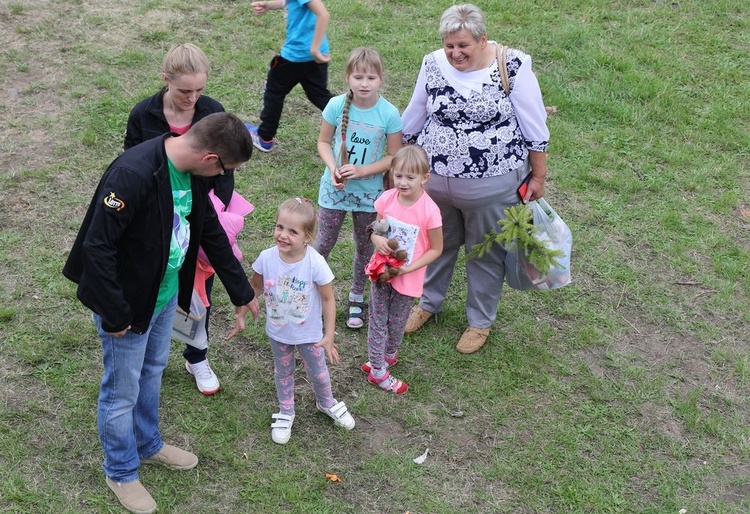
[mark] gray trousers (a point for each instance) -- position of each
(389, 311)
(470, 208)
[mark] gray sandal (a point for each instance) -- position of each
(356, 317)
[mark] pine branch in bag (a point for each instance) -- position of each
(518, 229)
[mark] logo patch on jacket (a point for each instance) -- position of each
(113, 202)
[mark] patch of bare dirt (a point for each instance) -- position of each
(29, 105)
(15, 385)
(736, 492)
(28, 114)
(682, 363)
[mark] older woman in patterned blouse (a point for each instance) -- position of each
(481, 143)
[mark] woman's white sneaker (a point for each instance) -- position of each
(205, 379)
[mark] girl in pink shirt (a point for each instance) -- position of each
(415, 222)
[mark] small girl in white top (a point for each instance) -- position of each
(297, 287)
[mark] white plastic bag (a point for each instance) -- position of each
(556, 235)
(190, 328)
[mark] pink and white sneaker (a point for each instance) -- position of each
(367, 367)
(389, 383)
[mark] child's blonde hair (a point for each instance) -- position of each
(411, 158)
(304, 208)
(361, 58)
(184, 59)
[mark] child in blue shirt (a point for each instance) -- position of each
(303, 60)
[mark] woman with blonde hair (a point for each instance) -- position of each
(175, 108)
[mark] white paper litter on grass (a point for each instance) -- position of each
(422, 458)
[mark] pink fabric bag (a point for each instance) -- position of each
(232, 219)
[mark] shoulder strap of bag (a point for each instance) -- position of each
(502, 64)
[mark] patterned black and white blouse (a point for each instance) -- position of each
(467, 124)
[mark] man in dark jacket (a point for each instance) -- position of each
(134, 261)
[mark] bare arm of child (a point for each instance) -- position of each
(348, 171)
(261, 7)
(328, 302)
(322, 17)
(256, 282)
(325, 150)
(436, 248)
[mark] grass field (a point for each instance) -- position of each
(627, 391)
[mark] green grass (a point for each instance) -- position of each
(626, 391)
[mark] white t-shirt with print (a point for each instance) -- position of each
(294, 313)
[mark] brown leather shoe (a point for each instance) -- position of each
(472, 339)
(173, 458)
(133, 496)
(417, 317)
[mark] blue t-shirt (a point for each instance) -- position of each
(300, 27)
(366, 141)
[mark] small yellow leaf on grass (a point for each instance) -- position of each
(332, 478)
(745, 213)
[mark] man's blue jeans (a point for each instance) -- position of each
(128, 415)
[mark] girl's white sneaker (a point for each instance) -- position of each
(339, 414)
(281, 429)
